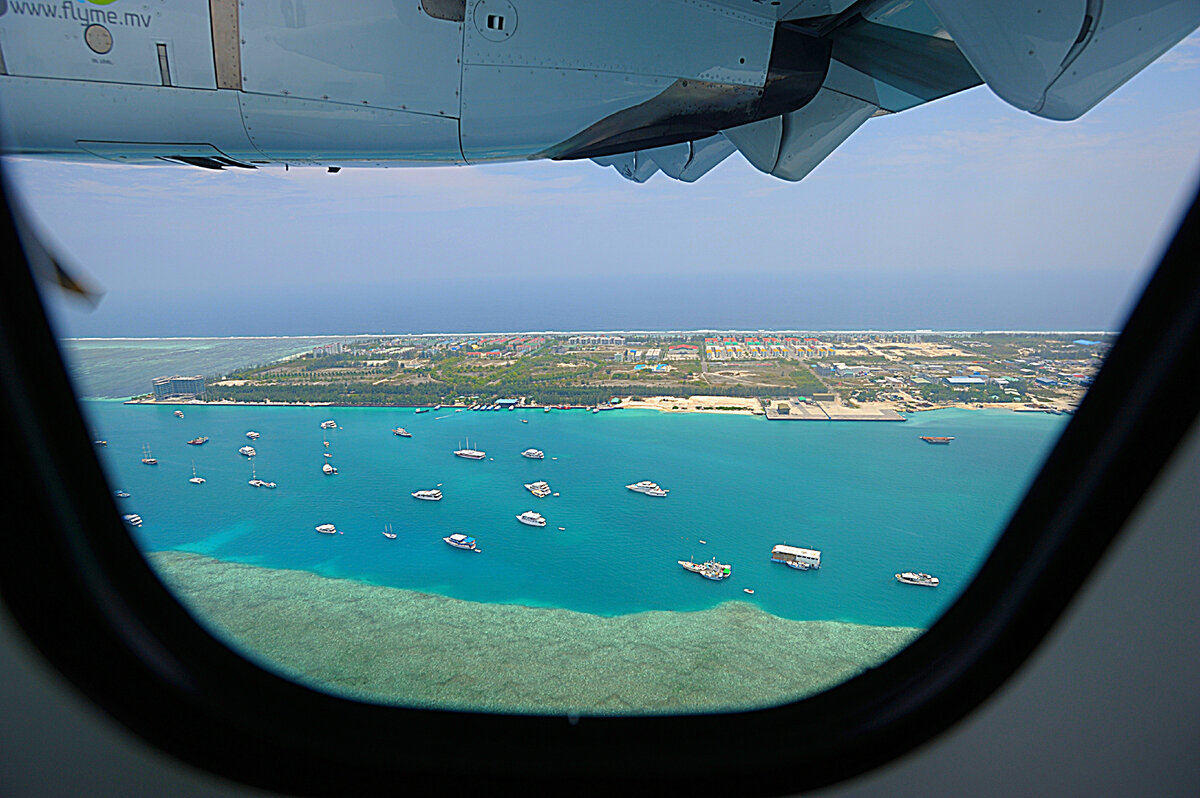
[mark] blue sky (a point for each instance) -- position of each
(961, 214)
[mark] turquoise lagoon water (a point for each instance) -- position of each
(871, 496)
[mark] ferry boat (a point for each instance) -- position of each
(248, 451)
(328, 469)
(388, 533)
(327, 529)
(469, 453)
(252, 435)
(647, 487)
(530, 518)
(195, 480)
(938, 439)
(709, 570)
(133, 519)
(120, 494)
(178, 414)
(796, 557)
(534, 454)
(330, 424)
(434, 495)
(539, 489)
(198, 441)
(916, 578)
(402, 432)
(147, 458)
(460, 541)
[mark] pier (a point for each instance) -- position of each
(796, 410)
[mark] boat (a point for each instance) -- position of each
(422, 409)
(133, 519)
(938, 439)
(647, 487)
(469, 453)
(916, 578)
(326, 454)
(195, 480)
(530, 518)
(100, 443)
(539, 489)
(252, 435)
(595, 410)
(388, 533)
(147, 458)
(120, 494)
(330, 424)
(545, 410)
(198, 441)
(255, 481)
(327, 529)
(402, 432)
(328, 469)
(748, 590)
(524, 421)
(178, 414)
(796, 557)
(437, 407)
(534, 454)
(434, 495)
(709, 570)
(460, 541)
(248, 451)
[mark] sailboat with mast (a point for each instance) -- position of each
(388, 533)
(195, 480)
(469, 453)
(147, 458)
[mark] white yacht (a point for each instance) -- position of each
(133, 519)
(460, 541)
(195, 480)
(328, 469)
(330, 424)
(401, 432)
(915, 578)
(709, 570)
(647, 487)
(327, 529)
(179, 414)
(248, 451)
(469, 453)
(539, 489)
(252, 435)
(531, 518)
(434, 495)
(534, 454)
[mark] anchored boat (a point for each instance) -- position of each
(709, 570)
(916, 578)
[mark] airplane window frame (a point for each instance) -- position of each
(79, 587)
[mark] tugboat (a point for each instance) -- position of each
(942, 440)
(460, 541)
(916, 578)
(709, 570)
(402, 432)
(198, 441)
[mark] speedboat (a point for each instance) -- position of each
(252, 435)
(248, 451)
(133, 519)
(328, 469)
(434, 495)
(327, 529)
(530, 518)
(534, 454)
(402, 432)
(460, 541)
(647, 487)
(916, 578)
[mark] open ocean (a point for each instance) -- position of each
(871, 496)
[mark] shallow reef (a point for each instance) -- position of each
(418, 649)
